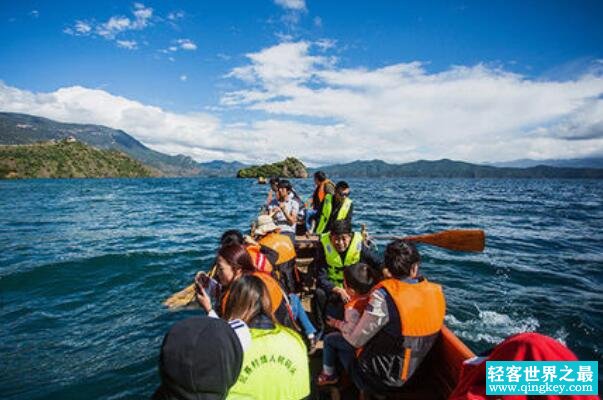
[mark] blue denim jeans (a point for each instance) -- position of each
(310, 214)
(336, 347)
(300, 314)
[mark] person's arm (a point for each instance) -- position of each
(322, 278)
(330, 188)
(352, 317)
(374, 318)
(292, 214)
(240, 328)
(349, 216)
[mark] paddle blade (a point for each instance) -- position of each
(182, 298)
(459, 240)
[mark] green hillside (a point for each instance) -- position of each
(29, 129)
(67, 160)
(289, 168)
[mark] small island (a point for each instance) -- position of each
(291, 167)
(68, 158)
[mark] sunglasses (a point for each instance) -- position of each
(343, 194)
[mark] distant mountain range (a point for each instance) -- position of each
(588, 162)
(28, 129)
(451, 169)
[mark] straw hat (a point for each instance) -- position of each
(264, 225)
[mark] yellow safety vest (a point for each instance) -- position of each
(327, 207)
(275, 366)
(334, 261)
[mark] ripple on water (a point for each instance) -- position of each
(86, 264)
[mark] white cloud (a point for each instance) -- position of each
(401, 112)
(152, 125)
(325, 44)
(283, 64)
(296, 100)
(291, 4)
(127, 44)
(186, 44)
(80, 28)
(34, 13)
(175, 15)
(183, 78)
(181, 44)
(115, 25)
(142, 16)
(317, 22)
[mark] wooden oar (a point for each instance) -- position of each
(185, 296)
(456, 239)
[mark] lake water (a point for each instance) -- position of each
(86, 264)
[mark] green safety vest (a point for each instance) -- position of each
(334, 261)
(327, 207)
(275, 366)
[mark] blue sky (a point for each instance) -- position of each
(324, 80)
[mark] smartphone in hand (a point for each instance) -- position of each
(202, 281)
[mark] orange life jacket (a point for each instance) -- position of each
(277, 296)
(358, 303)
(281, 244)
(320, 191)
(260, 260)
(421, 308)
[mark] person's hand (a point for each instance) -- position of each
(345, 297)
(202, 279)
(202, 297)
(332, 322)
(249, 240)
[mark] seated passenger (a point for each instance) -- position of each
(337, 207)
(232, 262)
(339, 249)
(279, 251)
(284, 209)
(257, 253)
(358, 281)
(323, 186)
(399, 325)
(200, 359)
(275, 366)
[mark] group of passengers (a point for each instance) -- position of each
(359, 303)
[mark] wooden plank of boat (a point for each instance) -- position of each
(435, 378)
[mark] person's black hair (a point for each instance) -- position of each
(232, 236)
(341, 226)
(320, 176)
(359, 277)
(399, 257)
(274, 180)
(284, 183)
(342, 185)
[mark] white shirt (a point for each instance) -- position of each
(291, 206)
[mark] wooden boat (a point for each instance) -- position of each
(436, 377)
